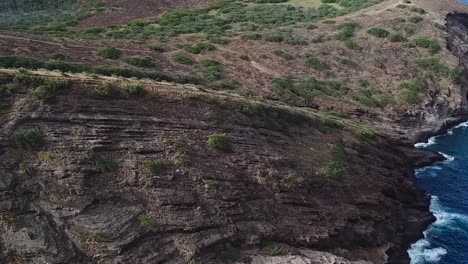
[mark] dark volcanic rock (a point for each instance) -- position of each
(88, 197)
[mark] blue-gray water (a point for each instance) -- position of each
(464, 2)
(446, 241)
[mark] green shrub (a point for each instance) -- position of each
(220, 142)
(110, 53)
(430, 44)
(182, 58)
(104, 89)
(408, 30)
(218, 40)
(347, 62)
(210, 185)
(157, 48)
(378, 32)
(438, 68)
(397, 38)
(352, 45)
(418, 10)
(157, 166)
(143, 62)
(336, 168)
(283, 54)
(145, 220)
(211, 70)
(29, 138)
(49, 91)
(59, 57)
(415, 19)
(102, 164)
(440, 26)
(402, 6)
(252, 36)
(200, 48)
(315, 63)
(274, 37)
(412, 89)
(346, 30)
(135, 89)
(244, 57)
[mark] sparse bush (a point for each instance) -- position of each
(415, 19)
(143, 62)
(200, 48)
(252, 36)
(220, 142)
(104, 89)
(292, 180)
(283, 54)
(102, 164)
(378, 32)
(346, 30)
(352, 45)
(430, 44)
(438, 68)
(157, 166)
(49, 91)
(145, 220)
(412, 89)
(274, 37)
(157, 48)
(244, 57)
(29, 138)
(182, 58)
(135, 89)
(110, 53)
(335, 170)
(397, 38)
(418, 10)
(211, 70)
(315, 63)
(210, 184)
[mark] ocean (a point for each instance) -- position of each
(446, 241)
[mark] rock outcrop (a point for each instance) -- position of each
(87, 195)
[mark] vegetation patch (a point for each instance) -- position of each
(346, 30)
(378, 32)
(50, 89)
(412, 90)
(135, 89)
(283, 54)
(182, 58)
(336, 168)
(200, 48)
(143, 62)
(431, 44)
(110, 53)
(307, 89)
(220, 142)
(435, 66)
(157, 166)
(211, 70)
(102, 164)
(315, 63)
(103, 90)
(29, 138)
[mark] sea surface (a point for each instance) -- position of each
(446, 241)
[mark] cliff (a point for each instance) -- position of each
(283, 143)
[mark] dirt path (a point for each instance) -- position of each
(4, 35)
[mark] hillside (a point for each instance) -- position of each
(220, 131)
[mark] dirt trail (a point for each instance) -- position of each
(4, 35)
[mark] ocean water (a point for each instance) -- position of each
(446, 241)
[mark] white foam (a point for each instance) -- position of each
(464, 124)
(430, 141)
(447, 157)
(422, 251)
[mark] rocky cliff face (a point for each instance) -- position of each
(457, 40)
(122, 179)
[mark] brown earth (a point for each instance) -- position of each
(123, 11)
